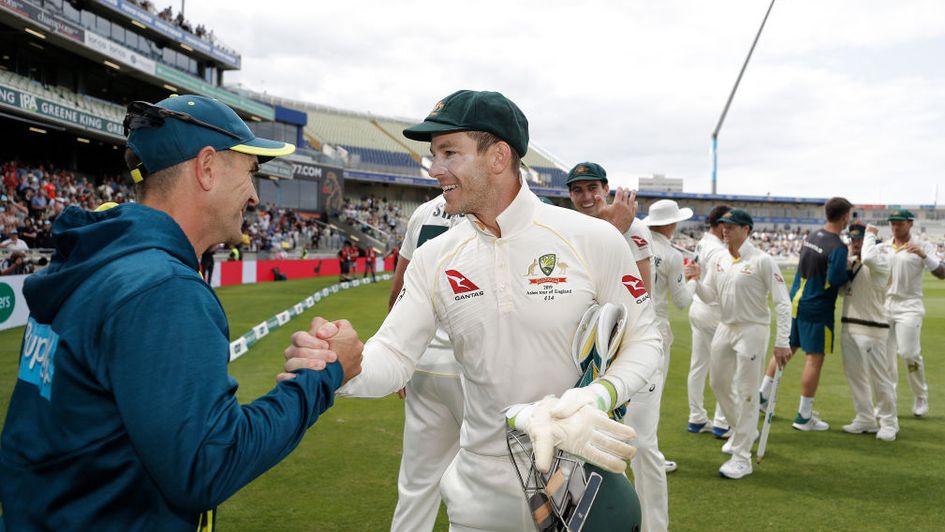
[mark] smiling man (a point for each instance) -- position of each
(123, 416)
(509, 285)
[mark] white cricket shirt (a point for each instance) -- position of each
(639, 238)
(668, 278)
(708, 250)
(905, 276)
(429, 221)
(741, 287)
(865, 294)
(511, 306)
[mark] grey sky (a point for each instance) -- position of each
(845, 97)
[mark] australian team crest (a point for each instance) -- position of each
(437, 108)
(541, 270)
(547, 263)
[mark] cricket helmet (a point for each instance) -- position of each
(574, 496)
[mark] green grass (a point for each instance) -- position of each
(343, 476)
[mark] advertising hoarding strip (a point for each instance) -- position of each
(241, 345)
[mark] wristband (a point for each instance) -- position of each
(605, 392)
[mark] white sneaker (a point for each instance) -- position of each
(886, 434)
(735, 468)
(861, 427)
(920, 407)
(670, 466)
(727, 448)
(810, 424)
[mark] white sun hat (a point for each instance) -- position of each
(665, 212)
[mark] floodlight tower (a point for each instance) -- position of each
(731, 96)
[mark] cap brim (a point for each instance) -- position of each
(425, 130)
(265, 149)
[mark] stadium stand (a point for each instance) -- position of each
(64, 96)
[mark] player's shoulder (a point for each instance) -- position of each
(433, 210)
(568, 221)
(445, 242)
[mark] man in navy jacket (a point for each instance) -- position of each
(123, 415)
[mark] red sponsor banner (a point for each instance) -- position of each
(231, 272)
(547, 280)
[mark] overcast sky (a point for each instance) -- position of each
(842, 97)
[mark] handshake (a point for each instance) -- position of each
(575, 425)
(325, 342)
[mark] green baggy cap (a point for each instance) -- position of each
(901, 215)
(467, 110)
(587, 172)
(737, 217)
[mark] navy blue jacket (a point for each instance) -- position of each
(123, 416)
(821, 271)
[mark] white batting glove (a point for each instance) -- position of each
(600, 395)
(587, 433)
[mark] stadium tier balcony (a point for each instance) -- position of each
(369, 156)
(64, 97)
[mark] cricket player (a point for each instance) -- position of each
(669, 283)
(908, 257)
(433, 402)
(863, 336)
(740, 282)
(587, 186)
(821, 272)
(588, 189)
(510, 287)
(704, 320)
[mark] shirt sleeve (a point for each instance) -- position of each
(639, 239)
(837, 267)
(706, 288)
(931, 258)
(873, 257)
(409, 244)
(680, 292)
(782, 302)
(391, 355)
(617, 280)
(166, 351)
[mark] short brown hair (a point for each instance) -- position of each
(484, 139)
(716, 214)
(158, 183)
(836, 208)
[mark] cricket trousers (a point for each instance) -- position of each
(433, 414)
(703, 320)
(905, 332)
(484, 492)
(871, 372)
(738, 357)
(648, 464)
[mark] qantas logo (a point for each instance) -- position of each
(634, 285)
(462, 285)
(639, 241)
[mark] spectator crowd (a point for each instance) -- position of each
(167, 15)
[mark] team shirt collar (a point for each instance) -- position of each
(516, 217)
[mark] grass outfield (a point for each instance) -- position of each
(343, 475)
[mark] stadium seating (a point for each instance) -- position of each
(64, 97)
